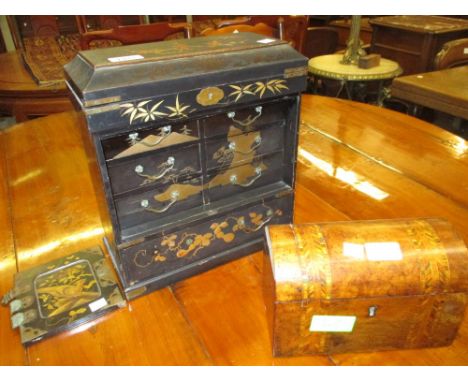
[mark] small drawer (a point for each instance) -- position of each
(152, 205)
(160, 167)
(237, 121)
(243, 148)
(180, 249)
(149, 139)
(223, 183)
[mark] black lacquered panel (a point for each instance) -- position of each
(158, 167)
(149, 138)
(184, 248)
(245, 119)
(225, 182)
(154, 204)
(243, 147)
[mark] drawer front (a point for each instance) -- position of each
(154, 204)
(223, 183)
(182, 248)
(401, 39)
(149, 139)
(246, 119)
(243, 147)
(158, 167)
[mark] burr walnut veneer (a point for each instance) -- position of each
(364, 285)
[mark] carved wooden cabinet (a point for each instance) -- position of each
(414, 41)
(195, 143)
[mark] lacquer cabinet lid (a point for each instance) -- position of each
(346, 260)
(132, 72)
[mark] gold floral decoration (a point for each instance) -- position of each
(210, 96)
(178, 109)
(191, 243)
(240, 91)
(275, 86)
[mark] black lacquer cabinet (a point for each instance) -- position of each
(192, 147)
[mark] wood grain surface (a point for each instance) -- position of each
(355, 162)
(22, 97)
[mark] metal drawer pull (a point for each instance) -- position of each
(169, 165)
(165, 130)
(257, 141)
(233, 178)
(249, 120)
(145, 203)
(269, 216)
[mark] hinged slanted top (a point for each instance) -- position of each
(137, 71)
(366, 259)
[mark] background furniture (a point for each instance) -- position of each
(103, 22)
(288, 28)
(320, 41)
(413, 41)
(453, 53)
(352, 79)
(442, 90)
(21, 97)
(343, 27)
(259, 28)
(48, 209)
(134, 34)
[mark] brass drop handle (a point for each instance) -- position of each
(249, 120)
(165, 132)
(269, 216)
(168, 165)
(174, 197)
(233, 178)
(257, 141)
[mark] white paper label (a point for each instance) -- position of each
(125, 58)
(332, 323)
(465, 50)
(385, 251)
(98, 304)
(353, 250)
(266, 40)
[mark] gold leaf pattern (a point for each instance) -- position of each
(240, 91)
(67, 289)
(178, 109)
(206, 97)
(191, 243)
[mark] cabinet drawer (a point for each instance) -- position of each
(223, 183)
(183, 248)
(241, 148)
(152, 205)
(246, 119)
(149, 139)
(158, 167)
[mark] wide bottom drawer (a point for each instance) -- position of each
(190, 247)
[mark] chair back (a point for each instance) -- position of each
(288, 28)
(320, 41)
(259, 28)
(453, 53)
(135, 34)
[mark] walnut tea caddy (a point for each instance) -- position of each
(192, 148)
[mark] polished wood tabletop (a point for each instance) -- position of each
(443, 90)
(22, 97)
(355, 161)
